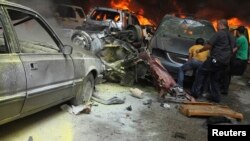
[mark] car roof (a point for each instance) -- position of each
(73, 6)
(114, 9)
(11, 4)
(202, 21)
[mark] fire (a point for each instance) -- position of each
(121, 4)
(234, 23)
(126, 5)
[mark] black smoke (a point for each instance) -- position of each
(156, 9)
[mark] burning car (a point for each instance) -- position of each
(37, 70)
(101, 17)
(174, 36)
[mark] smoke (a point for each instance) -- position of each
(47, 9)
(156, 9)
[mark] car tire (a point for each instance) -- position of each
(82, 39)
(86, 91)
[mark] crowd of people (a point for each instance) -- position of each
(215, 61)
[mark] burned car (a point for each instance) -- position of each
(37, 70)
(69, 16)
(114, 40)
(101, 17)
(173, 38)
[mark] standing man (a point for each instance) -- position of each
(239, 63)
(220, 46)
(194, 61)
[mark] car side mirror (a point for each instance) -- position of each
(67, 50)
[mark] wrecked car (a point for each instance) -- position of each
(116, 46)
(116, 53)
(173, 38)
(37, 70)
(101, 17)
(69, 16)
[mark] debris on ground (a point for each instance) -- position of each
(111, 101)
(208, 109)
(180, 135)
(81, 109)
(165, 105)
(129, 108)
(135, 92)
(148, 102)
(163, 81)
(220, 120)
(77, 109)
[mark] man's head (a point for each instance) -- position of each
(222, 24)
(199, 41)
(241, 30)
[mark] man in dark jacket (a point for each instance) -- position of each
(220, 46)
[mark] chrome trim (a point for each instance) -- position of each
(78, 80)
(173, 60)
(9, 98)
(47, 88)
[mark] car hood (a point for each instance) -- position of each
(173, 43)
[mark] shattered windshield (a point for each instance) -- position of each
(185, 28)
(102, 15)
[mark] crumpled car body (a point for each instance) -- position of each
(173, 38)
(36, 70)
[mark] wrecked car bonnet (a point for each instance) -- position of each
(175, 44)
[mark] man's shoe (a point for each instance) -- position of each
(180, 89)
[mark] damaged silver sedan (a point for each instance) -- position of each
(36, 70)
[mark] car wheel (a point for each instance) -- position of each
(82, 39)
(85, 93)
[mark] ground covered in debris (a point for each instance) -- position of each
(140, 122)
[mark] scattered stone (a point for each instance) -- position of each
(81, 109)
(77, 109)
(137, 93)
(127, 115)
(180, 135)
(129, 108)
(165, 105)
(148, 102)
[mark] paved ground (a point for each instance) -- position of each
(114, 122)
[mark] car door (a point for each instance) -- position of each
(49, 72)
(12, 75)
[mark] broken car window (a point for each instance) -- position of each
(102, 15)
(3, 45)
(185, 28)
(32, 36)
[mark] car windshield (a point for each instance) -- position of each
(102, 15)
(185, 28)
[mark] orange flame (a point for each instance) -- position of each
(126, 5)
(121, 4)
(234, 23)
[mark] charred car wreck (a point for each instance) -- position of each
(115, 36)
